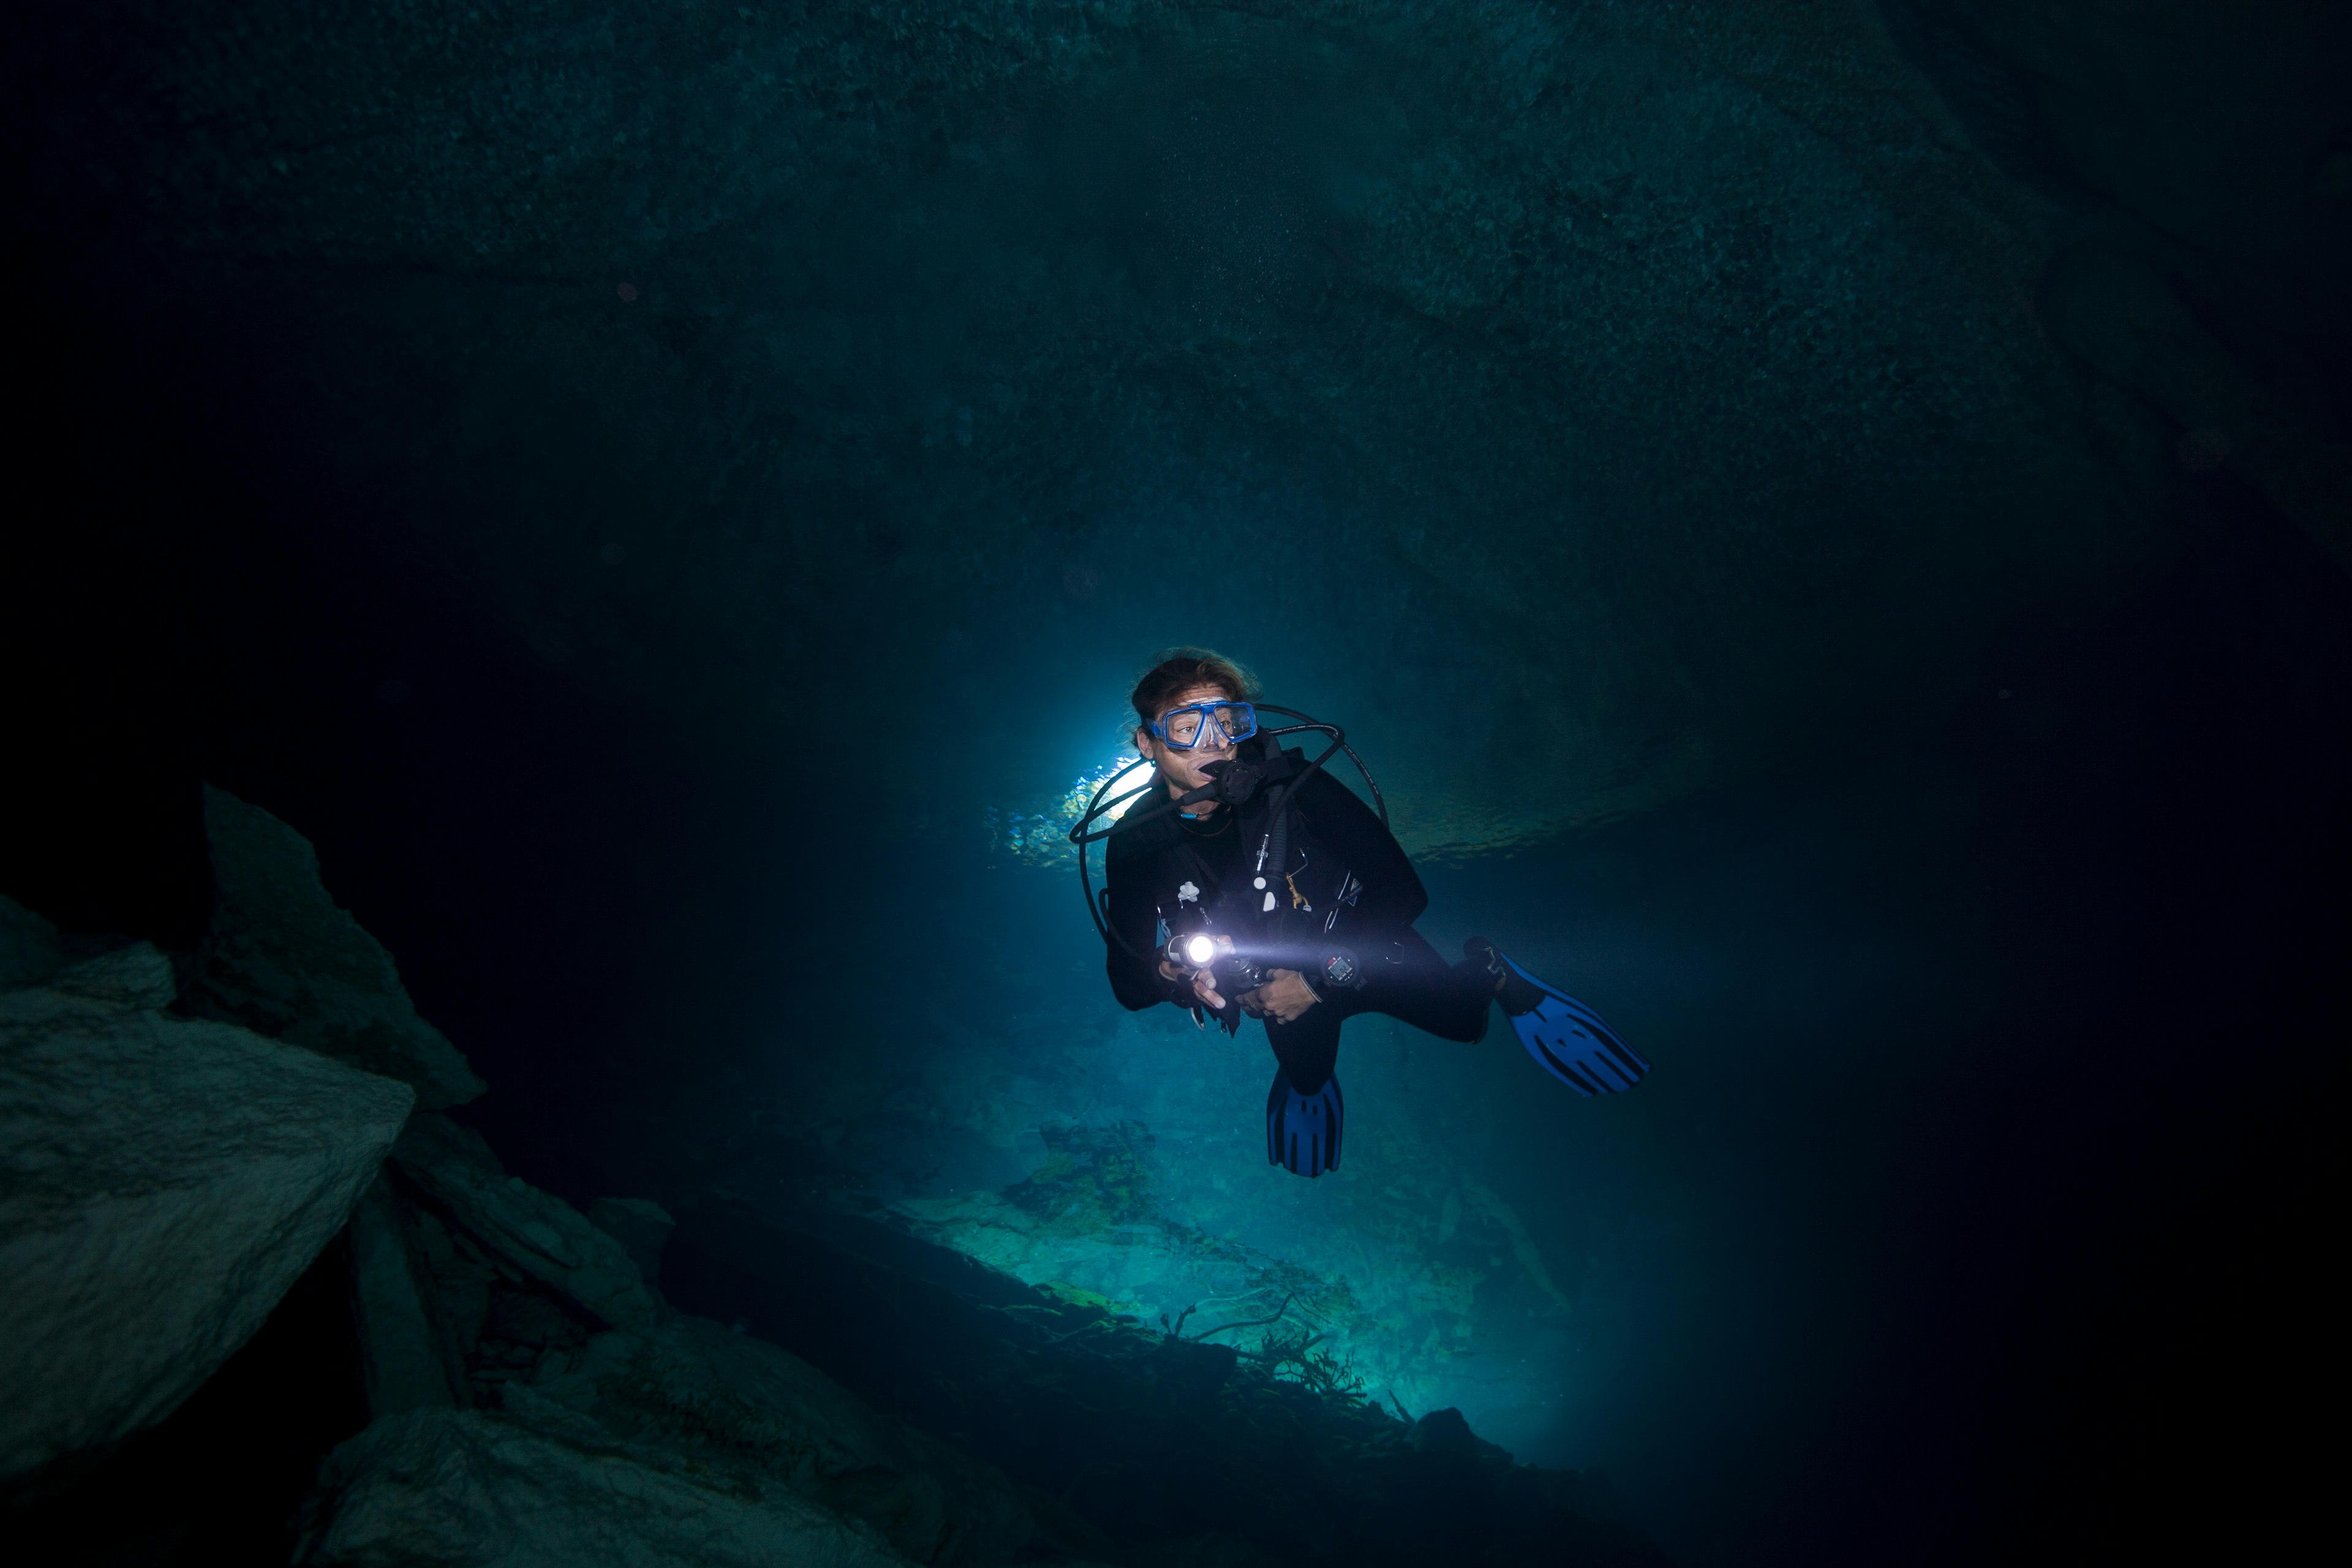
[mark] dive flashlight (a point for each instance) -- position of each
(1200, 951)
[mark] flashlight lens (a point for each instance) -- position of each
(1199, 950)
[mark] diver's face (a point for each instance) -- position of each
(1182, 769)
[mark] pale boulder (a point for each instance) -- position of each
(162, 1182)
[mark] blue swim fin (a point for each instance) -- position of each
(1567, 1038)
(1302, 1130)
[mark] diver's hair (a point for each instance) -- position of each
(1179, 669)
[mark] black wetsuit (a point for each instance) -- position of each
(1350, 885)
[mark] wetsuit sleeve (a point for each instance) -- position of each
(1134, 981)
(1393, 894)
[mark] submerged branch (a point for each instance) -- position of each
(1248, 1322)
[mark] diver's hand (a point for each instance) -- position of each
(1204, 984)
(1284, 997)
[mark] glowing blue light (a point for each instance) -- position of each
(1136, 771)
(1039, 837)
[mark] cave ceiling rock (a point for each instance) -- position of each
(2119, 314)
(1624, 367)
(545, 140)
(2193, 156)
(163, 1183)
(535, 1232)
(2213, 125)
(282, 958)
(556, 1490)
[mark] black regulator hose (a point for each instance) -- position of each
(1220, 788)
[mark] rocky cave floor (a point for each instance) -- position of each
(270, 1300)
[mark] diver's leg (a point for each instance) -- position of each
(1410, 983)
(1307, 1047)
(1567, 1038)
(1304, 1111)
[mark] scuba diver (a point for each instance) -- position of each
(1256, 883)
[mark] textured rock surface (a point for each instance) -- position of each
(282, 958)
(29, 948)
(641, 1224)
(529, 1231)
(696, 1385)
(2119, 312)
(459, 1488)
(1131, 1441)
(2201, 158)
(1639, 387)
(133, 978)
(402, 1361)
(475, 1288)
(162, 1183)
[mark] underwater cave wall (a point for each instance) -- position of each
(644, 486)
(1603, 377)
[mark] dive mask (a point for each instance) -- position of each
(1187, 727)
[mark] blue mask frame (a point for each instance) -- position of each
(1244, 713)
